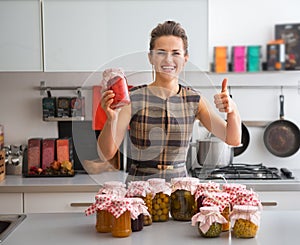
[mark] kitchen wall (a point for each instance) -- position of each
(230, 22)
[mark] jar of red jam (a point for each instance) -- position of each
(142, 189)
(203, 189)
(114, 79)
(183, 204)
(209, 221)
(139, 210)
(161, 200)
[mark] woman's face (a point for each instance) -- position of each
(168, 57)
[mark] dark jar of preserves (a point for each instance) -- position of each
(183, 204)
(138, 211)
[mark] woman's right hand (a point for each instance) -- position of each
(106, 101)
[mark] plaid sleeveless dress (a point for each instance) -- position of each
(160, 132)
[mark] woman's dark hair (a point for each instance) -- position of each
(169, 28)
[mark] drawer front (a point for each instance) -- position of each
(57, 202)
(284, 200)
(11, 203)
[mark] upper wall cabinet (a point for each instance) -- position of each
(88, 35)
(20, 42)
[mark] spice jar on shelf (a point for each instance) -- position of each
(209, 221)
(142, 189)
(116, 188)
(103, 218)
(161, 200)
(183, 204)
(222, 201)
(245, 220)
(120, 209)
(139, 210)
(203, 189)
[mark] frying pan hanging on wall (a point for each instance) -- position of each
(282, 137)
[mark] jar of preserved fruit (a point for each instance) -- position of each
(222, 201)
(121, 217)
(103, 217)
(245, 220)
(246, 197)
(183, 204)
(142, 190)
(209, 221)
(203, 189)
(139, 210)
(161, 200)
(116, 188)
(232, 188)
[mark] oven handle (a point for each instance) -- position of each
(269, 204)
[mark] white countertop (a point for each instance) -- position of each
(277, 228)
(91, 183)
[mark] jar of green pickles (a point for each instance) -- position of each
(209, 221)
(183, 204)
(245, 220)
(142, 190)
(161, 200)
(222, 201)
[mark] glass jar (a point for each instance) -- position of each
(183, 204)
(203, 189)
(245, 220)
(115, 188)
(103, 221)
(142, 189)
(161, 199)
(209, 221)
(121, 226)
(120, 209)
(137, 224)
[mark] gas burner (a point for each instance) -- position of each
(239, 171)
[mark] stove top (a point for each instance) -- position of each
(243, 171)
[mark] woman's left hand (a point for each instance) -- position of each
(223, 100)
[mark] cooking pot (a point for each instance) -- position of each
(213, 153)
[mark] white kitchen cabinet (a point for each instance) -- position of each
(88, 35)
(20, 43)
(11, 203)
(286, 200)
(57, 202)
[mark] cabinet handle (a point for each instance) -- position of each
(81, 204)
(269, 204)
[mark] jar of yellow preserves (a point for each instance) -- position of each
(161, 200)
(245, 220)
(142, 189)
(183, 204)
(103, 217)
(209, 221)
(121, 217)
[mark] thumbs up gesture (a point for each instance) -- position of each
(222, 100)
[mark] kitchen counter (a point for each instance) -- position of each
(91, 183)
(277, 228)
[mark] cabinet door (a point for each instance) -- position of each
(20, 42)
(57, 202)
(285, 200)
(11, 203)
(88, 35)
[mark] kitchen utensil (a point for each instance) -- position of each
(238, 150)
(213, 152)
(282, 137)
